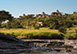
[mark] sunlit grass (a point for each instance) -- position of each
(3, 30)
(72, 29)
(41, 33)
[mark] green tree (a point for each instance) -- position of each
(4, 15)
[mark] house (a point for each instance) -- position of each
(22, 16)
(42, 14)
(56, 13)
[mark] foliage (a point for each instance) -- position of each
(38, 35)
(71, 36)
(4, 15)
(76, 30)
(53, 22)
(58, 22)
(62, 29)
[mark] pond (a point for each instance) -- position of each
(46, 53)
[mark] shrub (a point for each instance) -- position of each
(76, 30)
(37, 27)
(38, 35)
(62, 29)
(71, 36)
(14, 34)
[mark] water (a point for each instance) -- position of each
(45, 53)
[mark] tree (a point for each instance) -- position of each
(4, 15)
(74, 12)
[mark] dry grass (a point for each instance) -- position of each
(3, 30)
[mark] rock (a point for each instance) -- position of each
(75, 46)
(9, 38)
(74, 50)
(68, 50)
(10, 44)
(58, 50)
(13, 45)
(39, 49)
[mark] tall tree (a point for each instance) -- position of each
(4, 15)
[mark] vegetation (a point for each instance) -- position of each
(37, 35)
(53, 22)
(4, 15)
(41, 33)
(62, 23)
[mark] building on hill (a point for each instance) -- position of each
(42, 14)
(22, 16)
(56, 13)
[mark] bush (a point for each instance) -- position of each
(37, 27)
(76, 31)
(38, 35)
(71, 36)
(62, 29)
(14, 34)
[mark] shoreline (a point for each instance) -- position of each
(56, 45)
(10, 44)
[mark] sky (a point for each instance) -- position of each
(20, 7)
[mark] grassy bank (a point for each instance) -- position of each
(71, 33)
(42, 33)
(37, 35)
(3, 30)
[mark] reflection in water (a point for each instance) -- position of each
(45, 53)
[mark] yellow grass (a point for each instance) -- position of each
(3, 30)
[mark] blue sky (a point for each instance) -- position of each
(19, 7)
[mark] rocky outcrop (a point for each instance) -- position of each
(9, 38)
(9, 45)
(54, 45)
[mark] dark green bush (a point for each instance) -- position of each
(62, 29)
(70, 36)
(76, 30)
(38, 35)
(37, 27)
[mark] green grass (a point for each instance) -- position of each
(42, 33)
(37, 35)
(71, 33)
